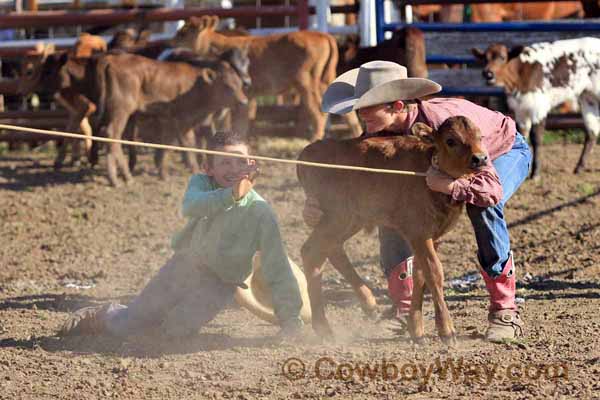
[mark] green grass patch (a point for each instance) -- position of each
(560, 136)
(586, 189)
(3, 148)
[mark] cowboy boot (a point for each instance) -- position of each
(86, 321)
(504, 320)
(400, 288)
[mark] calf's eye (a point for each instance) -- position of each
(450, 142)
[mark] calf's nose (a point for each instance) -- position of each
(478, 160)
(487, 74)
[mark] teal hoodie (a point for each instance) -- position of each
(226, 234)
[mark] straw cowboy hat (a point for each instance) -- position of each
(257, 298)
(373, 83)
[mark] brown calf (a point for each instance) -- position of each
(129, 84)
(78, 107)
(303, 61)
(488, 12)
(354, 200)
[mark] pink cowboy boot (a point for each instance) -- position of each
(400, 288)
(503, 317)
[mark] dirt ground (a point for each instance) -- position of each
(70, 240)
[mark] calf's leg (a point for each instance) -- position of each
(311, 117)
(426, 259)
(590, 109)
(340, 261)
(537, 132)
(324, 238)
(416, 328)
(188, 139)
(115, 158)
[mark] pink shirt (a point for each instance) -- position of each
(498, 135)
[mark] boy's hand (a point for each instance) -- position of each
(439, 181)
(246, 181)
(312, 214)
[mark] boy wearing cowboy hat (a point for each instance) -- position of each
(228, 222)
(386, 100)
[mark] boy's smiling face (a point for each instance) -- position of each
(226, 171)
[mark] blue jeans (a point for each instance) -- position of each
(490, 228)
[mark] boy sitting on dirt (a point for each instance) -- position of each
(228, 223)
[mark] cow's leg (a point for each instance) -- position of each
(115, 158)
(590, 109)
(427, 260)
(352, 121)
(325, 237)
(65, 99)
(416, 327)
(188, 139)
(79, 108)
(311, 106)
(131, 133)
(340, 261)
(537, 133)
(85, 108)
(161, 162)
(86, 129)
(313, 257)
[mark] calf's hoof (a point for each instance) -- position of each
(450, 340)
(324, 331)
(419, 340)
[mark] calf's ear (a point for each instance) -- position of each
(423, 132)
(515, 51)
(480, 55)
(213, 22)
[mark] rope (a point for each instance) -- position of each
(212, 152)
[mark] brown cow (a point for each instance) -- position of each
(354, 200)
(304, 61)
(488, 12)
(78, 107)
(129, 84)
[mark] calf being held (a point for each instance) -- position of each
(539, 77)
(353, 200)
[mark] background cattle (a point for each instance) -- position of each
(488, 12)
(128, 84)
(156, 129)
(539, 77)
(494, 12)
(32, 78)
(353, 200)
(303, 61)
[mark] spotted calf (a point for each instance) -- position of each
(539, 77)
